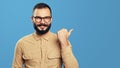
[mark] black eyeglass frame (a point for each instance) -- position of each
(39, 19)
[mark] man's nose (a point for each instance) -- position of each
(42, 21)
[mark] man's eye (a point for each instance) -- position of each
(37, 17)
(47, 17)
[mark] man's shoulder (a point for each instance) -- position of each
(26, 37)
(53, 34)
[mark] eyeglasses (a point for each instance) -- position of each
(39, 19)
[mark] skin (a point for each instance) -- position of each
(42, 13)
(62, 34)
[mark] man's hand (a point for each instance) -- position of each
(63, 35)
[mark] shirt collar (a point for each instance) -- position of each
(44, 36)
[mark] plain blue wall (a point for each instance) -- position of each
(96, 23)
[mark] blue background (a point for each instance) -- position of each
(96, 23)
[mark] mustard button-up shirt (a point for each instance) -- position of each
(35, 51)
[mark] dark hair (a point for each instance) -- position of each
(42, 5)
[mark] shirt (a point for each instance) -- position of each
(35, 51)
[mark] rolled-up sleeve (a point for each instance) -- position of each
(68, 58)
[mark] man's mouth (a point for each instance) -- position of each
(42, 27)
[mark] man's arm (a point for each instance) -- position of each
(67, 56)
(17, 61)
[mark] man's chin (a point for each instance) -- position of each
(42, 31)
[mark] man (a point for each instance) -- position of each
(44, 49)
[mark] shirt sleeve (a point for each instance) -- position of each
(17, 60)
(68, 58)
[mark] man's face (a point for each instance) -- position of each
(42, 20)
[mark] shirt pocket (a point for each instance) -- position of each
(31, 59)
(54, 59)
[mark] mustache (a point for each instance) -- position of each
(42, 25)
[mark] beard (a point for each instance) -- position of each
(41, 32)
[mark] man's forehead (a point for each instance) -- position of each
(42, 12)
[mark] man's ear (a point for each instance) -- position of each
(51, 20)
(32, 19)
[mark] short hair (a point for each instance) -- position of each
(42, 5)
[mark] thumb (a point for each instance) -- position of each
(70, 31)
